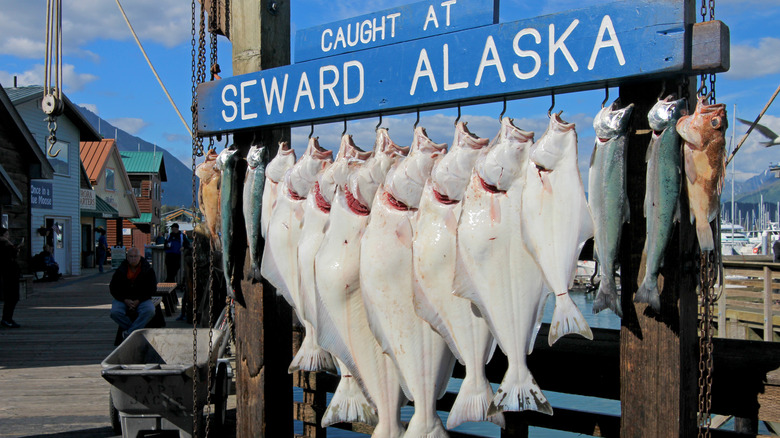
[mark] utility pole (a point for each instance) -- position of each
(260, 33)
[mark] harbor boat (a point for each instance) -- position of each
(734, 240)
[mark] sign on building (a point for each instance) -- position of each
(87, 199)
(41, 195)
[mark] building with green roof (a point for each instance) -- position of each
(146, 171)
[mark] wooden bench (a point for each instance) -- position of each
(166, 291)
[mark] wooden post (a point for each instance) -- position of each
(260, 33)
(722, 331)
(768, 319)
(659, 352)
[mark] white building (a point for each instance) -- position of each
(55, 212)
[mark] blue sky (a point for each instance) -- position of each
(106, 72)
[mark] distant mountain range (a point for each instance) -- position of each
(177, 191)
(750, 191)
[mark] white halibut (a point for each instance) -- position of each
(421, 355)
(341, 317)
(495, 270)
(280, 256)
(434, 248)
(274, 173)
(556, 221)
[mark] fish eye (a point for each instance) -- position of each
(715, 122)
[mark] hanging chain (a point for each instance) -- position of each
(708, 277)
(707, 12)
(52, 103)
(197, 150)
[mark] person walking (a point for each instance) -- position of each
(102, 249)
(131, 287)
(776, 250)
(9, 277)
(173, 245)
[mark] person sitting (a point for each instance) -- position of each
(44, 262)
(132, 286)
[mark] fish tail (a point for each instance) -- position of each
(425, 426)
(349, 405)
(311, 357)
(515, 396)
(607, 298)
(648, 293)
(566, 319)
(472, 404)
(704, 232)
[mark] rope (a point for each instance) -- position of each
(753, 125)
(165, 90)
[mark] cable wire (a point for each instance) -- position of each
(152, 67)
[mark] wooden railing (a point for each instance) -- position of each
(749, 304)
(746, 385)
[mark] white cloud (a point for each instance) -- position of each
(752, 62)
(177, 138)
(91, 107)
(131, 125)
(22, 28)
(71, 80)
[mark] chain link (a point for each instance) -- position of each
(197, 150)
(707, 7)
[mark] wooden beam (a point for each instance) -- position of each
(767, 304)
(260, 33)
(658, 352)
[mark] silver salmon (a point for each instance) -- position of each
(662, 193)
(607, 198)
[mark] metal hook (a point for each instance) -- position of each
(378, 124)
(418, 119)
(458, 118)
(663, 90)
(345, 128)
(552, 105)
(311, 133)
(606, 98)
(503, 111)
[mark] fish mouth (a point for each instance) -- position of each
(560, 124)
(471, 139)
(284, 148)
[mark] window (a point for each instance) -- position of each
(110, 179)
(137, 192)
(58, 156)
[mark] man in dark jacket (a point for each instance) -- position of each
(132, 286)
(175, 242)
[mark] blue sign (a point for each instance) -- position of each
(570, 51)
(391, 26)
(41, 194)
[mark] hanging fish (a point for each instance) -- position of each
(274, 172)
(386, 283)
(280, 255)
(208, 196)
(253, 204)
(496, 272)
(434, 246)
(230, 163)
(662, 193)
(341, 317)
(608, 200)
(705, 165)
(316, 211)
(556, 221)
